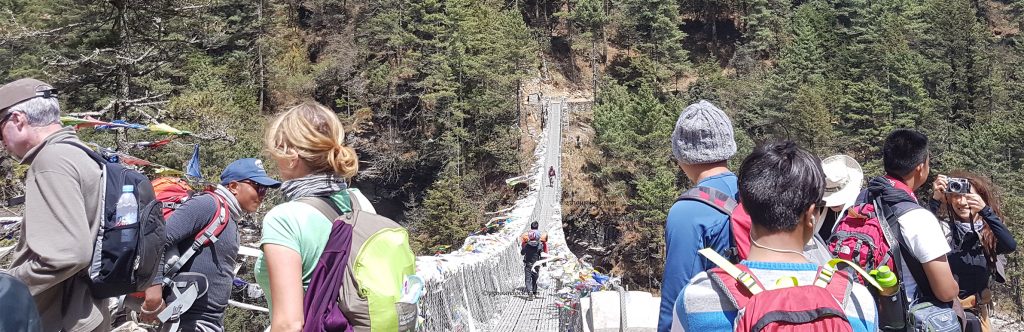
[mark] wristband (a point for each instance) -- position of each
(154, 311)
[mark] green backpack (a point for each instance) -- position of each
(378, 264)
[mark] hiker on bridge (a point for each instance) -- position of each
(63, 208)
(551, 176)
(702, 143)
(243, 185)
(531, 245)
(324, 227)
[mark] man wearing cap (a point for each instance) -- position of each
(702, 143)
(243, 185)
(63, 206)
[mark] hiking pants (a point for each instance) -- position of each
(531, 277)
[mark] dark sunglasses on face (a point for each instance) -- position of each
(2, 123)
(260, 190)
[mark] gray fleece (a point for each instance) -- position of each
(217, 262)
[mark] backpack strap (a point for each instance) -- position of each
(712, 197)
(170, 205)
(209, 235)
(889, 221)
(325, 205)
(95, 156)
(837, 283)
(739, 273)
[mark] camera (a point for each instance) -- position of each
(958, 186)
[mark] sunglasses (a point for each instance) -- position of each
(260, 190)
(2, 123)
(820, 206)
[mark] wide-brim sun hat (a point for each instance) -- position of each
(843, 180)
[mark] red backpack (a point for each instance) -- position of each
(172, 192)
(867, 235)
(816, 307)
(739, 220)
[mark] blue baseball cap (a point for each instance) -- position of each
(248, 169)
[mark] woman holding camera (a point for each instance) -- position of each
(969, 207)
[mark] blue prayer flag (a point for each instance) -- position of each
(193, 169)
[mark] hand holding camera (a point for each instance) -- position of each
(939, 188)
(975, 203)
(944, 185)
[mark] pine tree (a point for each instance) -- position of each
(652, 29)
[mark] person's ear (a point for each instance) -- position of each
(810, 217)
(233, 188)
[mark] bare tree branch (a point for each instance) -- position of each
(145, 101)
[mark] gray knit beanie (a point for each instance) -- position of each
(703, 135)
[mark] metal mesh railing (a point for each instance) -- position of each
(469, 295)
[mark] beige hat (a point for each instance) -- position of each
(24, 89)
(843, 177)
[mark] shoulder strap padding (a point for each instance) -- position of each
(216, 226)
(90, 152)
(325, 205)
(838, 283)
(739, 273)
(712, 197)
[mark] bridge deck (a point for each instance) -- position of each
(520, 314)
(540, 314)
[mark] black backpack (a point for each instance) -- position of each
(125, 258)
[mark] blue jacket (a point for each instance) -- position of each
(692, 226)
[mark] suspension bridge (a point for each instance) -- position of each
(480, 287)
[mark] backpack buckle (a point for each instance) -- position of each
(748, 281)
(824, 276)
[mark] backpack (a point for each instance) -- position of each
(816, 307)
(867, 234)
(739, 220)
(533, 239)
(870, 237)
(125, 258)
(358, 278)
(171, 192)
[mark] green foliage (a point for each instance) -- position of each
(651, 27)
(631, 127)
(448, 215)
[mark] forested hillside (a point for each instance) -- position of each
(836, 76)
(428, 88)
(431, 91)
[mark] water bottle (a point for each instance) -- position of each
(886, 279)
(127, 213)
(892, 312)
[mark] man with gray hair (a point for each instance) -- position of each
(702, 144)
(63, 208)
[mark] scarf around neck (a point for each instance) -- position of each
(233, 206)
(313, 185)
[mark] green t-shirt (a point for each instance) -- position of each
(301, 227)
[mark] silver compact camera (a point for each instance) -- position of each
(958, 186)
